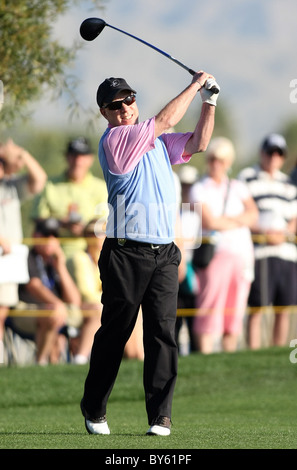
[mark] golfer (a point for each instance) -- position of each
(139, 261)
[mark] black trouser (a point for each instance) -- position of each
(134, 275)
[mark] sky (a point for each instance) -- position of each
(248, 45)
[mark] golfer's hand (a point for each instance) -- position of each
(206, 82)
(201, 77)
(206, 93)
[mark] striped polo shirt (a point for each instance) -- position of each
(276, 199)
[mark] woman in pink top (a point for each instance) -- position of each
(228, 212)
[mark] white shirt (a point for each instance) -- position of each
(237, 240)
(276, 199)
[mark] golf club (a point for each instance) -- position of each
(92, 27)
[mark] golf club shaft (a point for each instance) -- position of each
(192, 72)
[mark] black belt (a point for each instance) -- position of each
(132, 243)
(125, 242)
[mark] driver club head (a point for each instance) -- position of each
(91, 28)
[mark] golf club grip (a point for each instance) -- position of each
(214, 89)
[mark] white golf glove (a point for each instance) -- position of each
(207, 95)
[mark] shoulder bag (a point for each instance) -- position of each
(203, 255)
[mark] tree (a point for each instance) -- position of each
(31, 60)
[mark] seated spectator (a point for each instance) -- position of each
(50, 291)
(15, 187)
(83, 267)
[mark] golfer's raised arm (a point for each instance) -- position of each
(174, 111)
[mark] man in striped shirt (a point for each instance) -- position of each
(274, 240)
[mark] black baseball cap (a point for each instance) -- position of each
(48, 227)
(274, 143)
(79, 146)
(109, 88)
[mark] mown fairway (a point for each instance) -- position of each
(245, 400)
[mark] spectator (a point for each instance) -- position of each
(83, 267)
(225, 283)
(274, 235)
(14, 189)
(188, 287)
(50, 291)
(179, 241)
(74, 197)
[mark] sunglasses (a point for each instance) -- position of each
(272, 151)
(116, 105)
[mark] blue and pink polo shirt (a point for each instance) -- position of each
(141, 191)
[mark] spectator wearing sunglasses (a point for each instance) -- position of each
(139, 259)
(274, 242)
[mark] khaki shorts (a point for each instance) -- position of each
(24, 317)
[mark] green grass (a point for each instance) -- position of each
(245, 400)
